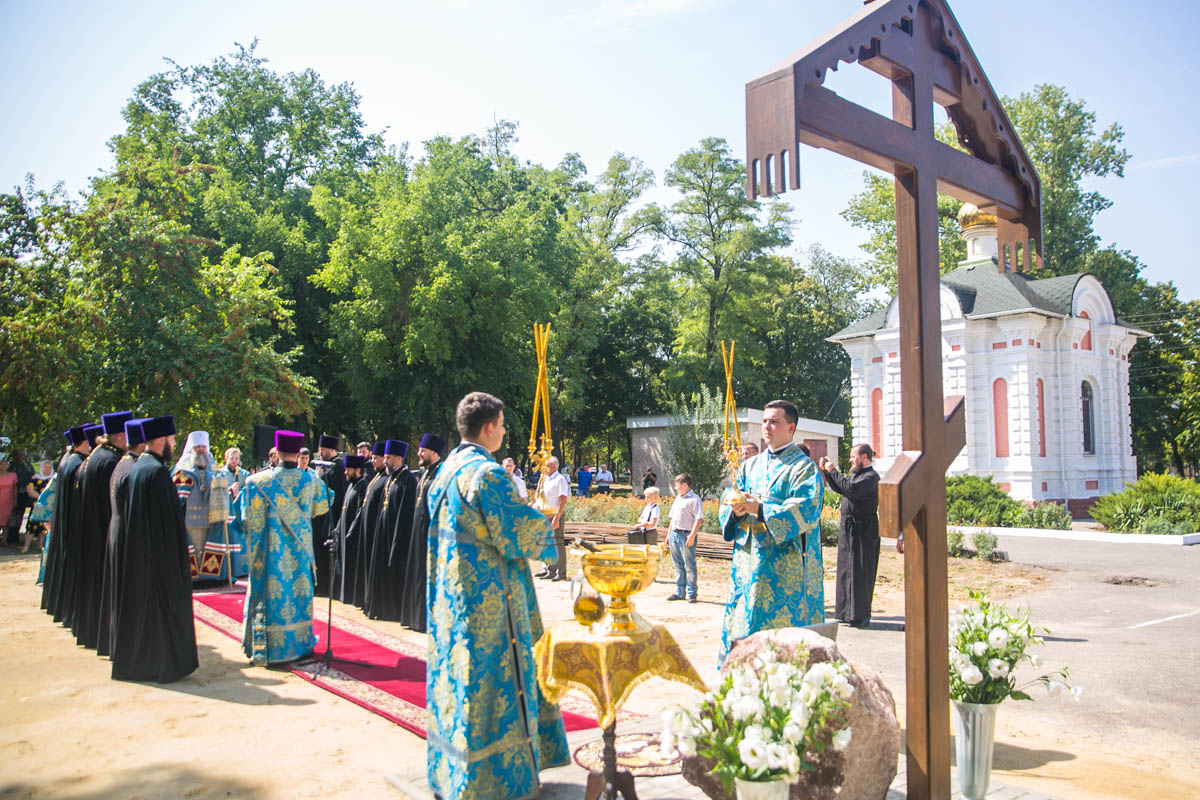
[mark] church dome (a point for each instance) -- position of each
(969, 216)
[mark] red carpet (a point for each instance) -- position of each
(393, 687)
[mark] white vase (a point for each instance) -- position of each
(974, 733)
(762, 790)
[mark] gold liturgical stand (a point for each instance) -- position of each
(607, 659)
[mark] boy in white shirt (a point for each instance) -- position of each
(686, 513)
(647, 523)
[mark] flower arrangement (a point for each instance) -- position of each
(987, 643)
(767, 719)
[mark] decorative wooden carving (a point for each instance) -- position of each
(919, 46)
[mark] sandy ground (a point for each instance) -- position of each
(232, 730)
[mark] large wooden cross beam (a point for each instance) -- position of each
(919, 47)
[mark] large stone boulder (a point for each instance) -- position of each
(865, 770)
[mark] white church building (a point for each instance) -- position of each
(1043, 365)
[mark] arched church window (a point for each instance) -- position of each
(1089, 418)
(1086, 344)
(877, 421)
(1000, 416)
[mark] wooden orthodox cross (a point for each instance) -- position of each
(919, 47)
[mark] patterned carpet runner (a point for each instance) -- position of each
(392, 687)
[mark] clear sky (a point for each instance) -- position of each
(646, 77)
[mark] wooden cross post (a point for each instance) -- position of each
(919, 47)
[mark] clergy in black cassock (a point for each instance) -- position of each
(364, 526)
(73, 537)
(343, 534)
(329, 469)
(93, 538)
(416, 570)
(56, 549)
(118, 497)
(155, 631)
(858, 538)
(389, 548)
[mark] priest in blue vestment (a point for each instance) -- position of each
(277, 509)
(772, 514)
(489, 729)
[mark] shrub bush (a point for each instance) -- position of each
(1046, 515)
(829, 532)
(977, 501)
(954, 542)
(985, 545)
(625, 510)
(1155, 504)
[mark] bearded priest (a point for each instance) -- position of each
(155, 636)
(204, 494)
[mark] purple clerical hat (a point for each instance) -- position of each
(92, 432)
(133, 431)
(157, 427)
(355, 462)
(395, 447)
(115, 422)
(289, 441)
(332, 442)
(75, 435)
(377, 449)
(431, 441)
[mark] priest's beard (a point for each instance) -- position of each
(201, 460)
(167, 452)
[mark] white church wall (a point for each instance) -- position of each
(1021, 349)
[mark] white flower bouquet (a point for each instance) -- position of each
(987, 643)
(766, 720)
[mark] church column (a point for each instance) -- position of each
(977, 346)
(954, 379)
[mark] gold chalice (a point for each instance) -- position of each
(621, 570)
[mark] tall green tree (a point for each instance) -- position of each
(40, 351)
(724, 245)
(874, 210)
(820, 294)
(1060, 136)
(139, 311)
(273, 138)
(440, 271)
(606, 225)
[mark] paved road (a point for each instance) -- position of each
(1124, 617)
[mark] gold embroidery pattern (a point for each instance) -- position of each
(607, 669)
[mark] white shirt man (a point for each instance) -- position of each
(553, 492)
(603, 479)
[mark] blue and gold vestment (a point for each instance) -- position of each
(490, 731)
(777, 575)
(277, 509)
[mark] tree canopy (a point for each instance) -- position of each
(253, 253)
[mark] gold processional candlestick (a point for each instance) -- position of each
(541, 450)
(732, 443)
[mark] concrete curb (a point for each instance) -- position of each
(1086, 536)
